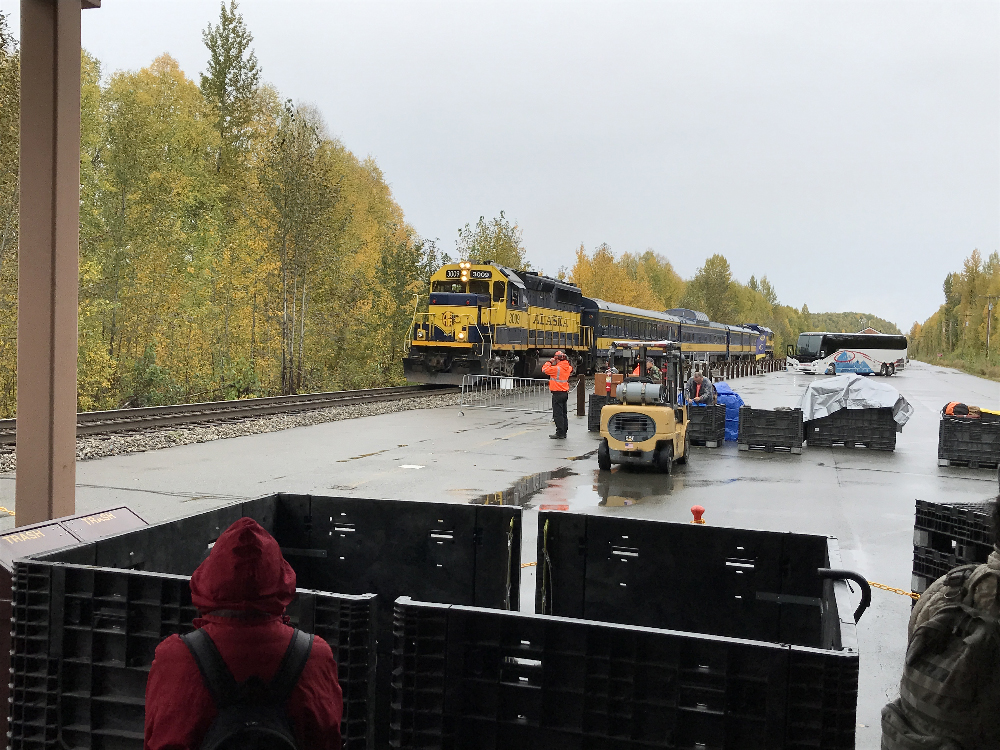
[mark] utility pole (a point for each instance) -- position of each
(989, 320)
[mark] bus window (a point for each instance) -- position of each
(499, 290)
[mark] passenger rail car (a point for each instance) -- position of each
(485, 319)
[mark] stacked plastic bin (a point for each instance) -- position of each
(874, 429)
(767, 430)
(707, 425)
(946, 535)
(964, 441)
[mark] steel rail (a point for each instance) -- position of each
(124, 420)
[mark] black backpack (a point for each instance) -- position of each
(251, 714)
(950, 690)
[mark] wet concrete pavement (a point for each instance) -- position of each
(865, 499)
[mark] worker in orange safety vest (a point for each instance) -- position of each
(559, 369)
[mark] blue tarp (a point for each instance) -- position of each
(732, 401)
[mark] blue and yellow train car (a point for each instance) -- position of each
(485, 319)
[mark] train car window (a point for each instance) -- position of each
(499, 290)
(479, 287)
(515, 298)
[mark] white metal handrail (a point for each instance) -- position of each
(511, 394)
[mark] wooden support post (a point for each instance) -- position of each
(48, 259)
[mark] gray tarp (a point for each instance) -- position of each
(824, 396)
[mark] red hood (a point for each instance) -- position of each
(245, 571)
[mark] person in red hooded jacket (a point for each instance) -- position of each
(241, 591)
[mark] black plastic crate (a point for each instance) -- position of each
(445, 552)
(597, 402)
(874, 429)
(948, 525)
(969, 442)
(707, 425)
(466, 677)
(84, 638)
(770, 430)
(738, 583)
(946, 535)
(929, 565)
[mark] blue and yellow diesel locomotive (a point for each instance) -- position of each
(485, 319)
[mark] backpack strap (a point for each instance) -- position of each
(291, 666)
(216, 675)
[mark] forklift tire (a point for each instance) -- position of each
(664, 459)
(687, 450)
(604, 456)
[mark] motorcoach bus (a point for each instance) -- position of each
(825, 353)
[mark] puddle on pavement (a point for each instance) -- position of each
(525, 488)
(565, 489)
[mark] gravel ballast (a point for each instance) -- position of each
(151, 439)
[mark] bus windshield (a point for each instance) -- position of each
(809, 345)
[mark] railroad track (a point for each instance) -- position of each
(123, 420)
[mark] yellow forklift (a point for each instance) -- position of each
(647, 427)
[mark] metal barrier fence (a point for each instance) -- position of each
(730, 370)
(510, 394)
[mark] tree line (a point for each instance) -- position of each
(649, 281)
(958, 333)
(229, 246)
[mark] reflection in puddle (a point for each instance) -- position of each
(619, 489)
(557, 490)
(524, 488)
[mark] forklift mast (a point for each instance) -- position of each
(671, 370)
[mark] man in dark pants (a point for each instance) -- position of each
(559, 369)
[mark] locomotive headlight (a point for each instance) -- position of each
(461, 335)
(420, 334)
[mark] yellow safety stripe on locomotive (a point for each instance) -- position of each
(453, 344)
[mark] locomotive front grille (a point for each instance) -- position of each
(631, 428)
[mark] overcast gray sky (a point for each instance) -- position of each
(847, 150)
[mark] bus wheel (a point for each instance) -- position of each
(831, 370)
(604, 456)
(892, 368)
(884, 370)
